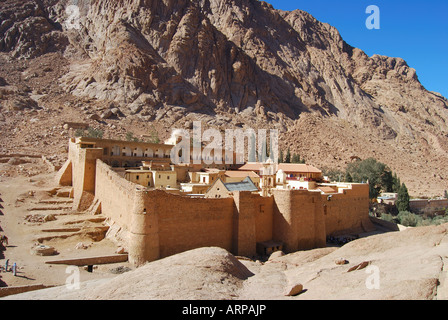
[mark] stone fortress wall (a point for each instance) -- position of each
(158, 224)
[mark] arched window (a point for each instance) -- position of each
(126, 152)
(116, 151)
(138, 152)
(149, 153)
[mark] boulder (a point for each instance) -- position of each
(81, 246)
(121, 250)
(49, 217)
(43, 250)
(107, 114)
(360, 266)
(94, 117)
(341, 261)
(276, 254)
(294, 289)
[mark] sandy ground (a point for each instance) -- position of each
(20, 196)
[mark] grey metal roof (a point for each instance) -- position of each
(245, 185)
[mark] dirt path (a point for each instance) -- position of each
(22, 196)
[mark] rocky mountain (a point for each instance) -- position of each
(227, 63)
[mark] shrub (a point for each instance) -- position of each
(79, 133)
(91, 133)
(408, 219)
(130, 137)
(440, 220)
(94, 133)
(388, 217)
(425, 223)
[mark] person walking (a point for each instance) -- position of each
(14, 269)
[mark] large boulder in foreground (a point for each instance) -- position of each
(205, 273)
(406, 265)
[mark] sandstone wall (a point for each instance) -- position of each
(117, 195)
(298, 220)
(347, 211)
(83, 174)
(253, 222)
(187, 223)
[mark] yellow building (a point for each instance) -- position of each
(152, 178)
(206, 176)
(141, 177)
(164, 179)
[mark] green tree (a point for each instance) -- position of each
(396, 183)
(387, 181)
(280, 157)
(333, 174)
(403, 199)
(295, 158)
(288, 156)
(368, 170)
(348, 177)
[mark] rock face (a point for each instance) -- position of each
(27, 30)
(236, 62)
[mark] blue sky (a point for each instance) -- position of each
(416, 31)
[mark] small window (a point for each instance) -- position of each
(168, 177)
(138, 177)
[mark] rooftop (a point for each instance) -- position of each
(286, 167)
(245, 185)
(241, 174)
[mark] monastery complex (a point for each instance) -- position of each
(157, 209)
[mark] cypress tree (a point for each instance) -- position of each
(295, 158)
(288, 156)
(403, 199)
(348, 177)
